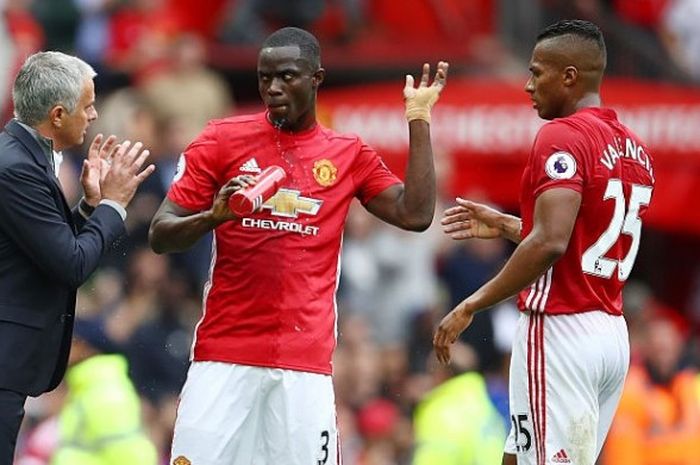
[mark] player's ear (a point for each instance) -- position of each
(318, 77)
(570, 76)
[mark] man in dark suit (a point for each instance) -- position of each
(47, 249)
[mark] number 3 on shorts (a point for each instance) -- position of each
(523, 437)
(325, 439)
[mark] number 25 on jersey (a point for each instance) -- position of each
(625, 220)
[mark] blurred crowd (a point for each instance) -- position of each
(394, 401)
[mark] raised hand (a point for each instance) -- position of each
(420, 100)
(124, 174)
(95, 167)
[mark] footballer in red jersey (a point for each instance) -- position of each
(275, 271)
(592, 153)
(584, 193)
(259, 389)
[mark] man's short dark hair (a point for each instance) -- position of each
(576, 27)
(293, 36)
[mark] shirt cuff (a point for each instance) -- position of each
(116, 206)
(85, 209)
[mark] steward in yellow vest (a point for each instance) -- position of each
(100, 424)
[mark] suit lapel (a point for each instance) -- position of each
(30, 143)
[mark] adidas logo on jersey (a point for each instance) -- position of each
(561, 457)
(251, 166)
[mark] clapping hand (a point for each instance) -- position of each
(124, 174)
(95, 167)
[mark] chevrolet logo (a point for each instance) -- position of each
(289, 203)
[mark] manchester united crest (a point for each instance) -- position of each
(325, 172)
(181, 461)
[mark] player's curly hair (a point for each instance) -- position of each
(293, 36)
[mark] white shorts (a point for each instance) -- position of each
(566, 378)
(244, 415)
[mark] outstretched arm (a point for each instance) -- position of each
(411, 205)
(470, 220)
(555, 215)
(175, 229)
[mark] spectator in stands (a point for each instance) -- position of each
(405, 263)
(40, 444)
(185, 74)
(59, 21)
(158, 353)
(159, 348)
(26, 35)
(253, 20)
(658, 420)
(343, 20)
(681, 35)
(145, 278)
(464, 268)
(40, 433)
(100, 423)
(20, 36)
(139, 33)
(92, 35)
(202, 17)
(379, 423)
(646, 14)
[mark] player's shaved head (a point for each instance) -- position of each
(309, 48)
(575, 43)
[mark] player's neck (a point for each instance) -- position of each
(305, 122)
(590, 99)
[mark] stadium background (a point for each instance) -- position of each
(167, 66)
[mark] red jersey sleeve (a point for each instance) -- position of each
(196, 181)
(557, 158)
(370, 174)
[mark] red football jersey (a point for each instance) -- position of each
(270, 298)
(593, 153)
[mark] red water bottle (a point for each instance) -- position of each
(246, 201)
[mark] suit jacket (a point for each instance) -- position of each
(47, 251)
